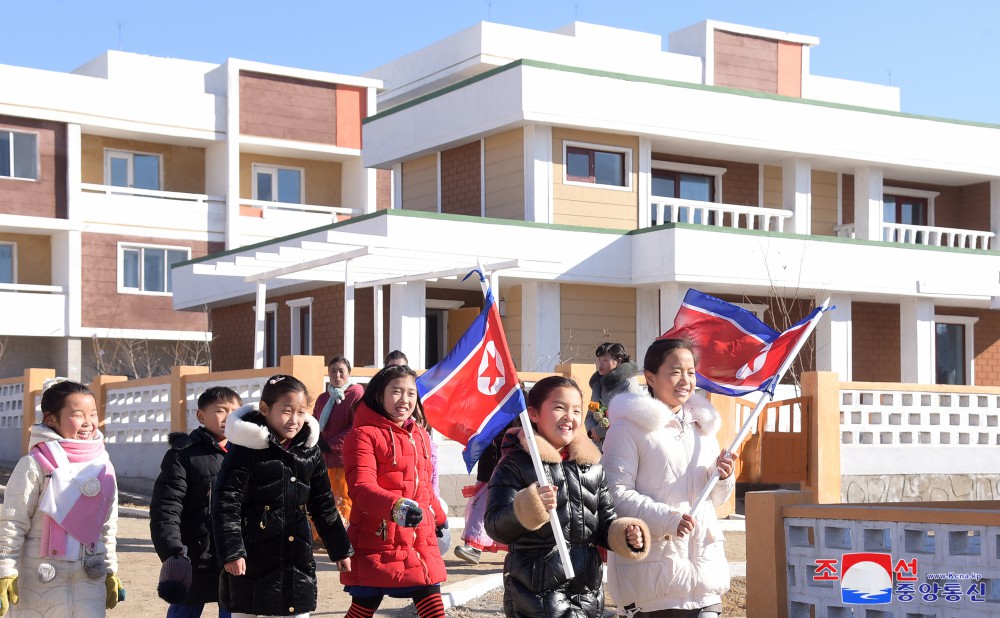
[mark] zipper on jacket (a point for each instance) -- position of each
(416, 468)
(263, 517)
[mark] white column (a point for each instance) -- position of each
(397, 186)
(868, 203)
(358, 186)
(916, 341)
(643, 182)
(67, 356)
(538, 173)
(260, 325)
(796, 194)
(834, 338)
(348, 310)
(995, 214)
(67, 247)
(232, 161)
(541, 332)
(647, 319)
(671, 298)
(408, 321)
(379, 322)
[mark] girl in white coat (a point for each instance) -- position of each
(658, 455)
(60, 515)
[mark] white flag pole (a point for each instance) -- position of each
(764, 399)
(536, 460)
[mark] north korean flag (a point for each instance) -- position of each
(473, 393)
(737, 353)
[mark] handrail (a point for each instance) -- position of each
(927, 235)
(31, 287)
(201, 198)
(266, 205)
(702, 213)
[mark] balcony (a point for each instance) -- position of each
(40, 310)
(163, 210)
(264, 219)
(927, 235)
(675, 210)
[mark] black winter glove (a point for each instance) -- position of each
(407, 513)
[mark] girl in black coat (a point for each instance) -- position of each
(180, 513)
(271, 481)
(535, 583)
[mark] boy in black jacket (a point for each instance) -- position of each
(180, 512)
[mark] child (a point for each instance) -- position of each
(387, 458)
(517, 512)
(335, 411)
(60, 515)
(271, 481)
(179, 514)
(659, 454)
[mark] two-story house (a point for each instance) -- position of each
(598, 175)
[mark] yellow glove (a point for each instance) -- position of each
(115, 591)
(8, 593)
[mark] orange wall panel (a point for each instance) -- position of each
(351, 108)
(789, 69)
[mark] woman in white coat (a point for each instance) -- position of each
(659, 453)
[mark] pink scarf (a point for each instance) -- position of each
(78, 497)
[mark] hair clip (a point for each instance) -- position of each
(47, 384)
(275, 380)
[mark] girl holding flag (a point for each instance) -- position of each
(517, 512)
(659, 453)
(60, 515)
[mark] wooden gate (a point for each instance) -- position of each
(777, 449)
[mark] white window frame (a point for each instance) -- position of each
(271, 361)
(604, 148)
(122, 246)
(684, 168)
(13, 259)
(921, 193)
(969, 323)
(266, 168)
(110, 153)
(38, 156)
(296, 306)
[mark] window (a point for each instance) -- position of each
(147, 269)
(8, 263)
(135, 170)
(18, 155)
(953, 349)
(597, 165)
(271, 335)
(277, 184)
(683, 185)
(904, 209)
(301, 325)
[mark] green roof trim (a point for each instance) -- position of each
(665, 82)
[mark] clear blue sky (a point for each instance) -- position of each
(943, 54)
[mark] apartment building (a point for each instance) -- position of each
(113, 172)
(597, 173)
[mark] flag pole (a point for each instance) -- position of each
(765, 398)
(536, 460)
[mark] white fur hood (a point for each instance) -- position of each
(246, 427)
(650, 413)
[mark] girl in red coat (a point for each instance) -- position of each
(387, 460)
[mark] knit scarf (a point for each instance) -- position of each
(336, 396)
(78, 497)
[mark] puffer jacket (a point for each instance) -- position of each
(340, 422)
(383, 463)
(263, 497)
(180, 514)
(71, 592)
(621, 379)
(656, 469)
(535, 582)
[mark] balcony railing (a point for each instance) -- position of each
(270, 207)
(926, 235)
(162, 195)
(40, 310)
(675, 210)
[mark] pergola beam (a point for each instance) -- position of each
(309, 265)
(451, 272)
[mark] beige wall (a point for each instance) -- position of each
(772, 186)
(594, 314)
(512, 323)
(593, 206)
(183, 166)
(322, 178)
(33, 256)
(824, 202)
(420, 184)
(505, 175)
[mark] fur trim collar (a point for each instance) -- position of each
(246, 427)
(581, 449)
(650, 413)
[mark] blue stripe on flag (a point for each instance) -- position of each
(494, 424)
(740, 317)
